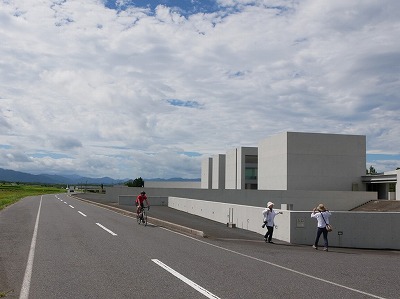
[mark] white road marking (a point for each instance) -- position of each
(82, 213)
(65, 202)
(279, 266)
(28, 271)
(186, 280)
(71, 206)
(106, 229)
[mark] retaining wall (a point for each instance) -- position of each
(375, 230)
(300, 200)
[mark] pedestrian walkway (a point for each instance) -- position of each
(185, 222)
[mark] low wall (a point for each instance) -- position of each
(301, 200)
(153, 200)
(172, 184)
(297, 227)
(376, 230)
(98, 197)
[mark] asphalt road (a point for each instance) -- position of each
(62, 247)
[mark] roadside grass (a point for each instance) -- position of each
(4, 294)
(10, 193)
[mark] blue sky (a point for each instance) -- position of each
(185, 7)
(149, 88)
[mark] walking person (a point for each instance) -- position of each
(322, 215)
(269, 215)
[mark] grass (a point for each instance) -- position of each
(11, 193)
(4, 294)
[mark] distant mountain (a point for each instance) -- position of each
(172, 180)
(7, 175)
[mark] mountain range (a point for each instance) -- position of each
(7, 175)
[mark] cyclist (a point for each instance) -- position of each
(139, 202)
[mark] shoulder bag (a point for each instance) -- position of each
(328, 227)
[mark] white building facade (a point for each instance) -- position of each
(241, 168)
(292, 161)
(312, 161)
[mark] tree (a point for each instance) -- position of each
(138, 182)
(371, 170)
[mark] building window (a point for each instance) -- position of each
(251, 159)
(251, 174)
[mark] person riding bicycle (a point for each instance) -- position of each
(139, 202)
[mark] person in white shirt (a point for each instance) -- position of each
(269, 215)
(322, 215)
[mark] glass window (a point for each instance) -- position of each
(251, 159)
(251, 173)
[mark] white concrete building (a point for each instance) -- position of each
(296, 171)
(206, 173)
(292, 161)
(218, 172)
(241, 168)
(312, 161)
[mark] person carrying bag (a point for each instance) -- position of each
(323, 227)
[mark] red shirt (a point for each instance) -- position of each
(141, 198)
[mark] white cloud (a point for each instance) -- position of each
(93, 84)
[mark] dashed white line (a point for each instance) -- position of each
(71, 206)
(106, 229)
(28, 271)
(186, 280)
(82, 214)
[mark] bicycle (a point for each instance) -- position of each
(142, 216)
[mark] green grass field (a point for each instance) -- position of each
(10, 193)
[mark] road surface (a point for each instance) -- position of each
(56, 246)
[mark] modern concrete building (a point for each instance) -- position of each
(241, 168)
(292, 161)
(312, 161)
(384, 183)
(296, 171)
(206, 173)
(218, 172)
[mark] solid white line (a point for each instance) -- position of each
(186, 280)
(106, 229)
(82, 213)
(71, 206)
(28, 271)
(281, 267)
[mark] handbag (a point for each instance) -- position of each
(328, 227)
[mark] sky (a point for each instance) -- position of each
(130, 89)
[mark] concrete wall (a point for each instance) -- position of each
(206, 173)
(231, 171)
(311, 161)
(218, 172)
(172, 184)
(235, 169)
(272, 163)
(301, 200)
(351, 229)
(97, 196)
(397, 184)
(129, 200)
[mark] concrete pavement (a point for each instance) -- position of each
(182, 222)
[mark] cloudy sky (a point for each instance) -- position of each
(148, 88)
